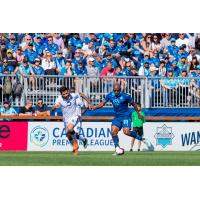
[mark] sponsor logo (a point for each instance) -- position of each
(164, 136)
(4, 131)
(39, 136)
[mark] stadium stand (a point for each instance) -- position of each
(159, 70)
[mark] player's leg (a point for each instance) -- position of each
(132, 143)
(140, 134)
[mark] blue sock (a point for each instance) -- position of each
(135, 135)
(115, 140)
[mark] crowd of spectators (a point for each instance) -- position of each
(101, 54)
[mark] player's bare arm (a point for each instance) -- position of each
(91, 106)
(83, 110)
(57, 105)
(100, 105)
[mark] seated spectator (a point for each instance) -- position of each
(12, 43)
(7, 110)
(182, 64)
(137, 50)
(192, 55)
(48, 65)
(156, 44)
(155, 58)
(39, 46)
(77, 57)
(182, 40)
(67, 70)
(194, 64)
(51, 47)
(3, 50)
(175, 68)
(144, 70)
(9, 67)
(109, 59)
(89, 48)
(11, 61)
(59, 61)
(28, 109)
(98, 62)
(74, 41)
(147, 43)
(67, 53)
(173, 49)
(30, 54)
(162, 69)
(165, 42)
(41, 109)
(18, 55)
(80, 69)
(26, 40)
(57, 39)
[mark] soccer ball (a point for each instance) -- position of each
(119, 151)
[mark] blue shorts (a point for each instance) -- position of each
(122, 122)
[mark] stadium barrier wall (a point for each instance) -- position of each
(48, 136)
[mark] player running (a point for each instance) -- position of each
(80, 110)
(67, 102)
(122, 120)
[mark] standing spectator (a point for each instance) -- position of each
(41, 109)
(28, 109)
(109, 72)
(30, 54)
(57, 39)
(12, 43)
(51, 47)
(18, 55)
(48, 64)
(182, 40)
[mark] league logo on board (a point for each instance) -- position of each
(164, 136)
(39, 136)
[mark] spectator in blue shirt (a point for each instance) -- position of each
(155, 59)
(137, 50)
(108, 59)
(12, 43)
(59, 61)
(30, 54)
(74, 41)
(39, 47)
(51, 47)
(7, 110)
(8, 66)
(37, 69)
(80, 69)
(182, 64)
(173, 49)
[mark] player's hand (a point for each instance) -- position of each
(53, 107)
(140, 116)
(91, 106)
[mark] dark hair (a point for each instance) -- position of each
(139, 104)
(63, 88)
(40, 99)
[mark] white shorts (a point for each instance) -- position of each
(73, 120)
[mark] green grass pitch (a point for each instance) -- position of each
(99, 159)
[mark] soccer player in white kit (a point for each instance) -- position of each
(67, 102)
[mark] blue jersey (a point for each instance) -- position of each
(52, 48)
(120, 103)
(39, 47)
(38, 70)
(11, 46)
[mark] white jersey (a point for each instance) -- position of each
(79, 105)
(68, 106)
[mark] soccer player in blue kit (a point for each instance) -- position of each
(122, 120)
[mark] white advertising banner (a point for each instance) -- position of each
(173, 136)
(51, 136)
(164, 136)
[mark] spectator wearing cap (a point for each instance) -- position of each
(48, 64)
(144, 70)
(165, 42)
(173, 49)
(7, 110)
(109, 72)
(59, 61)
(11, 60)
(175, 68)
(162, 71)
(30, 54)
(155, 58)
(18, 55)
(51, 46)
(26, 40)
(9, 67)
(108, 58)
(137, 50)
(146, 58)
(182, 64)
(74, 41)
(182, 40)
(192, 55)
(57, 39)
(3, 50)
(39, 46)
(153, 71)
(12, 43)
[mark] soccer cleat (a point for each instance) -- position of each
(138, 149)
(85, 143)
(131, 149)
(75, 148)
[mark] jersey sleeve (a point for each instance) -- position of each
(79, 102)
(129, 98)
(76, 95)
(58, 100)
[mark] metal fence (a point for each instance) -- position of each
(150, 92)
